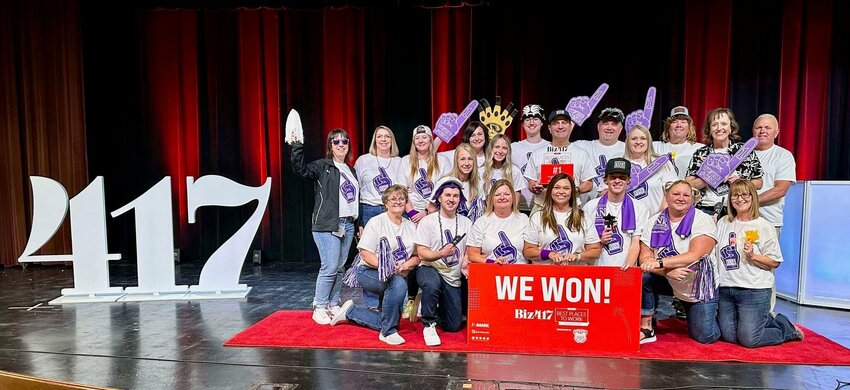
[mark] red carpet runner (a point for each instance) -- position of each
(295, 329)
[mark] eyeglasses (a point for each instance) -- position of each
(744, 196)
(337, 141)
(396, 200)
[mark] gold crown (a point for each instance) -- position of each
(494, 118)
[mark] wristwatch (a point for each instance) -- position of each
(660, 263)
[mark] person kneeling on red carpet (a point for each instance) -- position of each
(386, 256)
(441, 245)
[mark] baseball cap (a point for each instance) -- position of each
(422, 129)
(613, 113)
(618, 165)
(680, 111)
(556, 113)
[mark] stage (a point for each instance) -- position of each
(179, 345)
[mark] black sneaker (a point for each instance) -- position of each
(647, 335)
(681, 313)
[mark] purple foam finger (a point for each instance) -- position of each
(649, 104)
(446, 127)
(714, 169)
(467, 113)
(581, 107)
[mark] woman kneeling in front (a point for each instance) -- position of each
(386, 255)
(749, 251)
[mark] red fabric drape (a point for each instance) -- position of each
(42, 126)
(343, 72)
(804, 77)
(170, 45)
(450, 63)
(708, 39)
(259, 107)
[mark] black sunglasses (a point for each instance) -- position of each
(337, 141)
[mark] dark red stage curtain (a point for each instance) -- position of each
(804, 83)
(42, 126)
(450, 63)
(259, 109)
(708, 39)
(343, 72)
(169, 45)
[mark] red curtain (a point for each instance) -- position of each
(450, 63)
(708, 39)
(169, 43)
(804, 84)
(41, 114)
(259, 108)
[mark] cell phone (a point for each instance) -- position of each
(458, 238)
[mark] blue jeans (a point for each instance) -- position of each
(368, 212)
(392, 303)
(702, 316)
(745, 318)
(441, 302)
(333, 252)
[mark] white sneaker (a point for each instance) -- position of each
(393, 339)
(342, 312)
(334, 310)
(431, 337)
(320, 315)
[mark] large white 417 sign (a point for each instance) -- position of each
(154, 239)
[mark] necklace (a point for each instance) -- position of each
(442, 236)
(378, 160)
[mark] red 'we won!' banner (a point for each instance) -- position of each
(565, 308)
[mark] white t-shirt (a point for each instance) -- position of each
(450, 155)
(399, 237)
(473, 207)
(500, 235)
(568, 241)
(734, 270)
(518, 180)
(349, 191)
(684, 152)
(375, 175)
(651, 192)
(597, 151)
(429, 234)
(777, 163)
(582, 165)
(614, 254)
(520, 153)
(420, 188)
(703, 226)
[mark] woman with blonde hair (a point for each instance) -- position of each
(465, 169)
(496, 237)
(748, 250)
(377, 171)
(420, 170)
(640, 153)
(498, 165)
(561, 233)
(679, 138)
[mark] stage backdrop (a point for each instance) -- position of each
(174, 89)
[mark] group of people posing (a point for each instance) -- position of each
(422, 218)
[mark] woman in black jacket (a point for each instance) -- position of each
(334, 213)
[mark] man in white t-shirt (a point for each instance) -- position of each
(779, 174)
(441, 245)
(560, 151)
(679, 138)
(778, 166)
(608, 146)
(532, 118)
(620, 239)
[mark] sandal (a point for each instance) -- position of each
(647, 335)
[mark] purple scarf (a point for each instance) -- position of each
(628, 214)
(661, 237)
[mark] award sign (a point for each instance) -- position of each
(154, 239)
